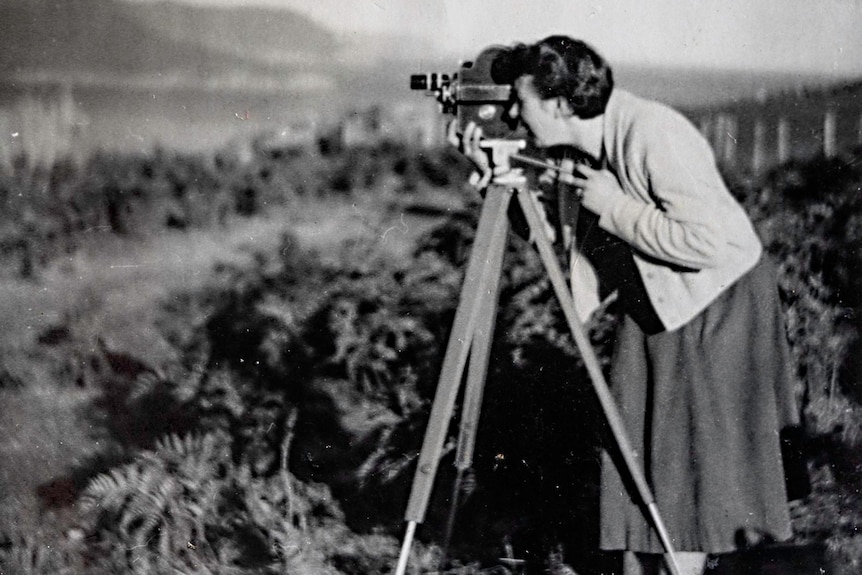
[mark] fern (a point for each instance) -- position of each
(156, 504)
(185, 507)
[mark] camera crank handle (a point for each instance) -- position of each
(539, 163)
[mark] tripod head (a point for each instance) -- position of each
(500, 154)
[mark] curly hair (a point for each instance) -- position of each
(561, 67)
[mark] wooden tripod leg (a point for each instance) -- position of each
(490, 237)
(477, 372)
(480, 354)
(591, 361)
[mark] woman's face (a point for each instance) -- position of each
(544, 118)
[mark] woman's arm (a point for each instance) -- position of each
(683, 214)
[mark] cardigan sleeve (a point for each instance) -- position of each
(684, 215)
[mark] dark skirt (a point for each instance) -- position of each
(703, 406)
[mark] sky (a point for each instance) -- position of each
(780, 35)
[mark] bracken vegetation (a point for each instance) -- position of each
(283, 437)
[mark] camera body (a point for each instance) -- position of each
(473, 95)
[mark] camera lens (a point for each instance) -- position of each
(419, 82)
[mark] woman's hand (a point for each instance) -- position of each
(596, 189)
(469, 144)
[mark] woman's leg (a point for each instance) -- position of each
(689, 562)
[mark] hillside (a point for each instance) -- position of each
(81, 38)
(264, 36)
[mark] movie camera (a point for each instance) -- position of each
(476, 94)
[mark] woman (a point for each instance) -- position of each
(700, 369)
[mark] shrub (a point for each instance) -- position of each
(186, 506)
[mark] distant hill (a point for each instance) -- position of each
(119, 40)
(266, 36)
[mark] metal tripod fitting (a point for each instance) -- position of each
(501, 153)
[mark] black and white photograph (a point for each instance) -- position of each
(437, 287)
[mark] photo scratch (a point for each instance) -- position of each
(404, 226)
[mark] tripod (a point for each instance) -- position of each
(471, 338)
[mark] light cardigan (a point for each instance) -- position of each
(690, 238)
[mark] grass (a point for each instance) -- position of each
(112, 288)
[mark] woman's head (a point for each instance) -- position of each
(561, 67)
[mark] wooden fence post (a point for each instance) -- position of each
(729, 137)
(783, 140)
(7, 139)
(829, 123)
(718, 136)
(758, 148)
